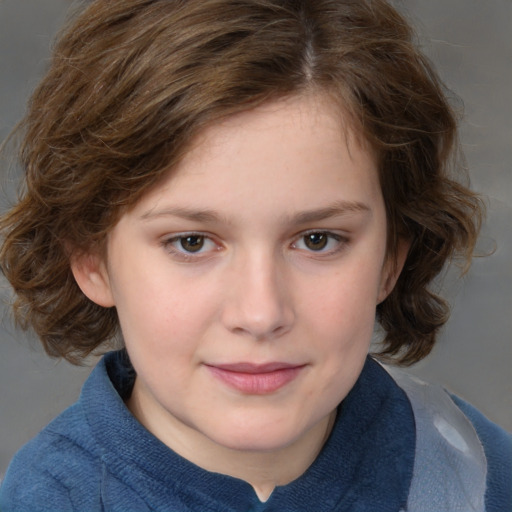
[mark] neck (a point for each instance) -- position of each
(263, 470)
(268, 469)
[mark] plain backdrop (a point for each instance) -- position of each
(470, 41)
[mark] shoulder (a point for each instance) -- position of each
(43, 474)
(497, 444)
(458, 451)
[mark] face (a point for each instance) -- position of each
(246, 283)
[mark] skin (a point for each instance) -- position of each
(286, 262)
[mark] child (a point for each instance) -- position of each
(234, 191)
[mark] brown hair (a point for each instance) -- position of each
(132, 82)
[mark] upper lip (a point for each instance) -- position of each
(253, 368)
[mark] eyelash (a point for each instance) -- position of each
(189, 256)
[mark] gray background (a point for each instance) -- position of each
(471, 43)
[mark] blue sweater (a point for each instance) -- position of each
(96, 456)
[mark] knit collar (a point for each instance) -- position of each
(365, 465)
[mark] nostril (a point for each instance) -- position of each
(259, 323)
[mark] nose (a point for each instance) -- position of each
(259, 305)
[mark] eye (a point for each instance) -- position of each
(316, 241)
(190, 244)
(320, 241)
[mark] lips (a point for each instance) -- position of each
(256, 379)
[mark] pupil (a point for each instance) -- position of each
(192, 243)
(316, 241)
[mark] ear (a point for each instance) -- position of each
(392, 269)
(91, 275)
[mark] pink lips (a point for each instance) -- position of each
(256, 379)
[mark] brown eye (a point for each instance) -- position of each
(316, 241)
(192, 243)
(191, 247)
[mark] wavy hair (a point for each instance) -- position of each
(131, 83)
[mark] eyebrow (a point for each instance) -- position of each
(183, 213)
(336, 209)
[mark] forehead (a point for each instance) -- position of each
(308, 112)
(298, 150)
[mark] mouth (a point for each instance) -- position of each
(256, 379)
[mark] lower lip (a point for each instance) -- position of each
(256, 383)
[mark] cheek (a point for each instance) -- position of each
(347, 298)
(341, 323)
(165, 313)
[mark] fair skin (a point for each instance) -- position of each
(246, 285)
